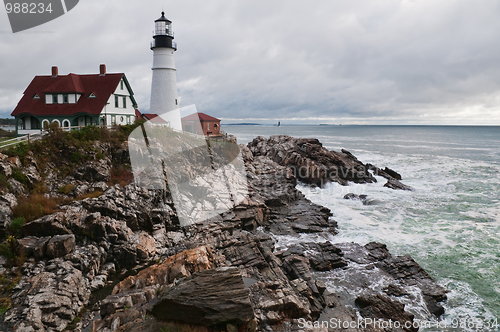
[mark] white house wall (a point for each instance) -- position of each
(122, 115)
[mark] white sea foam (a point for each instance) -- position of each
(450, 224)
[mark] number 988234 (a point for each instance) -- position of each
(28, 8)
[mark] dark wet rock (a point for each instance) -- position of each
(310, 161)
(379, 306)
(207, 298)
(395, 290)
(355, 197)
(392, 173)
(395, 184)
(94, 171)
(397, 276)
(322, 256)
(119, 234)
(46, 226)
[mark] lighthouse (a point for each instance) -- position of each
(164, 99)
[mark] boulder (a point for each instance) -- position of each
(94, 171)
(32, 245)
(60, 245)
(395, 184)
(48, 297)
(207, 298)
(379, 306)
(355, 197)
(175, 267)
(46, 226)
(5, 169)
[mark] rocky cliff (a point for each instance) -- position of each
(118, 260)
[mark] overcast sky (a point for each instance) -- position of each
(325, 61)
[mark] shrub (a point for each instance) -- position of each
(18, 175)
(8, 248)
(94, 194)
(35, 206)
(66, 189)
(4, 183)
(16, 224)
(120, 175)
(20, 150)
(77, 157)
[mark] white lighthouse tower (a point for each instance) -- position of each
(164, 99)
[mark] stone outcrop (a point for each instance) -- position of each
(208, 297)
(49, 295)
(234, 272)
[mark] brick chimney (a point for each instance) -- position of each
(102, 70)
(54, 71)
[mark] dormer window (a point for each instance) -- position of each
(36, 96)
(65, 99)
(92, 95)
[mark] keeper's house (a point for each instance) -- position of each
(75, 100)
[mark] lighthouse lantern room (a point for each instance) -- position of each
(164, 98)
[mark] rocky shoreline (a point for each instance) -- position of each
(122, 262)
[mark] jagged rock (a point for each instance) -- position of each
(60, 245)
(355, 197)
(5, 169)
(175, 267)
(322, 256)
(17, 187)
(207, 298)
(46, 226)
(310, 161)
(102, 186)
(94, 171)
(32, 175)
(393, 173)
(395, 184)
(124, 230)
(33, 245)
(48, 297)
(10, 199)
(379, 306)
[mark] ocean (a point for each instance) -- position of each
(450, 223)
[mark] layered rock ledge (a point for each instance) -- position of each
(122, 262)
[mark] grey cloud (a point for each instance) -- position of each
(358, 61)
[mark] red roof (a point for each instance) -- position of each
(102, 87)
(138, 114)
(153, 118)
(200, 116)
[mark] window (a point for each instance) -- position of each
(65, 99)
(121, 85)
(121, 119)
(36, 96)
(116, 101)
(113, 120)
(176, 102)
(92, 95)
(54, 99)
(208, 126)
(124, 102)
